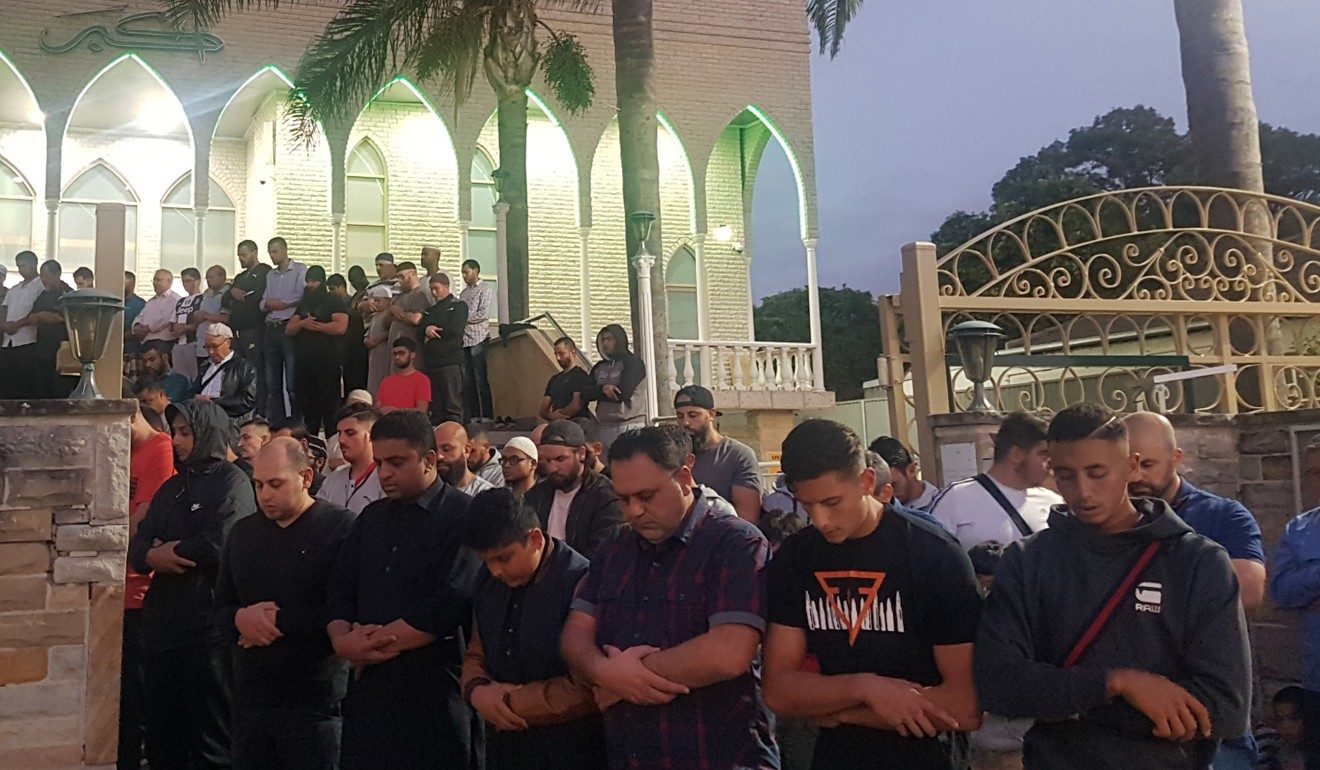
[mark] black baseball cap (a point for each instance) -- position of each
(385, 256)
(564, 433)
(694, 395)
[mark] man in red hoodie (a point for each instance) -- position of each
(151, 462)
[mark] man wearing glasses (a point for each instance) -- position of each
(518, 464)
(227, 379)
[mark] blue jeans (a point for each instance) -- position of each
(277, 356)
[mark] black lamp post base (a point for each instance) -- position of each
(86, 389)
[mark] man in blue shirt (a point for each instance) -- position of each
(1227, 522)
(1295, 585)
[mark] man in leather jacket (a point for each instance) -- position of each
(225, 378)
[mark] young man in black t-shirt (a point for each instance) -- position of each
(886, 604)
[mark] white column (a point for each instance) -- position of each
(703, 295)
(813, 297)
(53, 228)
(643, 263)
(464, 225)
(502, 258)
(337, 242)
(751, 301)
(584, 292)
(199, 239)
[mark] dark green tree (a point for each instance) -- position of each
(849, 328)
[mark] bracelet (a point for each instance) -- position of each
(476, 682)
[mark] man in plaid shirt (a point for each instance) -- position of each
(476, 295)
(669, 619)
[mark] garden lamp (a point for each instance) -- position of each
(977, 342)
(89, 316)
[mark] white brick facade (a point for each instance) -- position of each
(711, 65)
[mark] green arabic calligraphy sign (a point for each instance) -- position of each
(130, 34)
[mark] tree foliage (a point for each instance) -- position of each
(849, 327)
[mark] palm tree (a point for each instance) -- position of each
(371, 41)
(634, 67)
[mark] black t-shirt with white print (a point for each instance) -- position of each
(878, 604)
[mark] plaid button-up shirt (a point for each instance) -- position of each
(477, 298)
(709, 572)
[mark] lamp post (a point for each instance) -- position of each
(639, 222)
(501, 209)
(976, 342)
(89, 316)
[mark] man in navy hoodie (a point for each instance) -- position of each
(1167, 676)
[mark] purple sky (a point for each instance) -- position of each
(931, 102)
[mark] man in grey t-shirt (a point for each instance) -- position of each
(725, 465)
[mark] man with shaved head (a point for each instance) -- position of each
(1227, 522)
(451, 445)
(271, 600)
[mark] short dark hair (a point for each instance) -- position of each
(223, 273)
(475, 431)
(1019, 431)
(405, 265)
(778, 526)
(472, 263)
(655, 443)
(407, 343)
(985, 557)
(128, 276)
(1292, 695)
(336, 280)
(680, 436)
(896, 455)
(147, 384)
(163, 348)
(51, 267)
(566, 342)
(84, 273)
(1086, 421)
(360, 412)
(817, 447)
(440, 278)
(277, 241)
(25, 256)
(407, 425)
(260, 422)
(297, 429)
(154, 419)
(190, 272)
(875, 461)
(497, 518)
(247, 245)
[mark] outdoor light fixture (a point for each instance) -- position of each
(723, 233)
(977, 342)
(639, 222)
(89, 316)
(499, 176)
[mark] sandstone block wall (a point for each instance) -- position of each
(63, 535)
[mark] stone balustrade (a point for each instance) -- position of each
(63, 537)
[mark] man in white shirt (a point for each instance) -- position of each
(573, 502)
(914, 492)
(18, 346)
(451, 448)
(156, 321)
(355, 484)
(1007, 502)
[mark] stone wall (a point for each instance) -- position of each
(63, 534)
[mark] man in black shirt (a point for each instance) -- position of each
(246, 318)
(51, 332)
(442, 334)
(400, 599)
(563, 393)
(318, 326)
(886, 603)
(513, 673)
(271, 602)
(180, 540)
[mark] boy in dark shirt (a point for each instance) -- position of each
(271, 601)
(513, 674)
(1118, 629)
(886, 603)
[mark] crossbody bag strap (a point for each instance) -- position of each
(998, 494)
(1107, 612)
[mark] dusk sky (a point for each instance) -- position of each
(930, 102)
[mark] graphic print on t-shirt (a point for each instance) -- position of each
(851, 604)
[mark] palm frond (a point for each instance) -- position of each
(829, 18)
(568, 73)
(367, 42)
(194, 15)
(585, 6)
(452, 48)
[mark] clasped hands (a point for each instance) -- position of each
(622, 676)
(256, 625)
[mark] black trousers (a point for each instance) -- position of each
(1311, 729)
(317, 387)
(132, 693)
(355, 365)
(188, 708)
(289, 738)
(446, 393)
(16, 371)
(46, 379)
(249, 347)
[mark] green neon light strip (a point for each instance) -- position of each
(792, 161)
(186, 124)
(268, 68)
(22, 80)
(687, 163)
(540, 103)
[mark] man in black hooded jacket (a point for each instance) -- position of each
(1167, 676)
(180, 541)
(614, 380)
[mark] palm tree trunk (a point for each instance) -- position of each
(634, 62)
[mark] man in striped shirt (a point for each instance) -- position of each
(476, 295)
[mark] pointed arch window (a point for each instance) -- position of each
(97, 184)
(178, 227)
(16, 200)
(681, 295)
(366, 206)
(481, 233)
